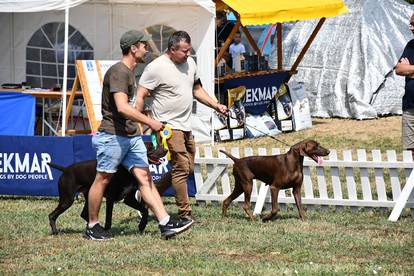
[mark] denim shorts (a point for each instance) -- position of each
(112, 150)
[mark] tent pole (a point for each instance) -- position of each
(227, 42)
(307, 45)
(279, 47)
(65, 70)
(247, 34)
(251, 40)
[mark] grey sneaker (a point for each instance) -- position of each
(174, 227)
(97, 233)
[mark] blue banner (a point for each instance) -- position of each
(260, 90)
(157, 171)
(24, 162)
(82, 148)
(17, 115)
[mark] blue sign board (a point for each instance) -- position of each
(24, 168)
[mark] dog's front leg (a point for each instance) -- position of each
(144, 220)
(298, 201)
(108, 216)
(140, 206)
(274, 192)
(85, 212)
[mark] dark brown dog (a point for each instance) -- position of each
(281, 171)
(79, 178)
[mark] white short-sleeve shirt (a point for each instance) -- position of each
(171, 87)
(235, 50)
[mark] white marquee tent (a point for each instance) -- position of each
(348, 70)
(102, 23)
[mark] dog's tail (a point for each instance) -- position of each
(57, 167)
(229, 155)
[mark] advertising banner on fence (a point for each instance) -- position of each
(24, 168)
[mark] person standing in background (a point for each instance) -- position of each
(405, 67)
(236, 49)
(223, 28)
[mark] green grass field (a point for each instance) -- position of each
(328, 242)
(346, 242)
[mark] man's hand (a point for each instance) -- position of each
(405, 61)
(222, 109)
(202, 96)
(156, 125)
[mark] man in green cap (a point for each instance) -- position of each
(118, 140)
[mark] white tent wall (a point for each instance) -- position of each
(102, 24)
(350, 57)
(7, 66)
(37, 5)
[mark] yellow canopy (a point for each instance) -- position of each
(258, 12)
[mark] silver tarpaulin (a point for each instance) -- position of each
(348, 70)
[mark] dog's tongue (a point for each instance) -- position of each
(317, 159)
(320, 160)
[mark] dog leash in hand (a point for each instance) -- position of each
(274, 138)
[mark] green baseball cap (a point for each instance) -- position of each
(132, 37)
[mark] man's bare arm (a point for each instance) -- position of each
(123, 107)
(404, 68)
(201, 95)
(142, 92)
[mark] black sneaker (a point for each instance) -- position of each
(97, 233)
(174, 227)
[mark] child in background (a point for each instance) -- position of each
(236, 48)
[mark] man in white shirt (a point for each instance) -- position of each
(172, 81)
(236, 49)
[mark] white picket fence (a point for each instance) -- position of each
(350, 182)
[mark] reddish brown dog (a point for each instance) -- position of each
(281, 171)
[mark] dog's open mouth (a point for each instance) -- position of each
(317, 159)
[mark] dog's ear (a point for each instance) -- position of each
(302, 149)
(305, 148)
(298, 149)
